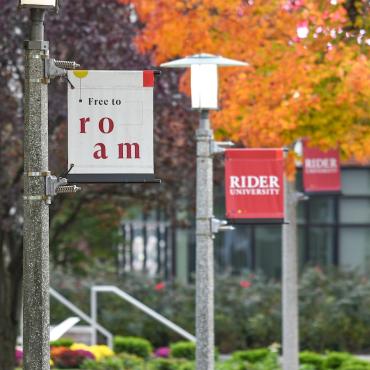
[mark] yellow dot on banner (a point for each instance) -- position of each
(81, 73)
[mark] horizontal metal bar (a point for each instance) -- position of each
(34, 197)
(146, 309)
(255, 221)
(37, 174)
(83, 315)
(111, 178)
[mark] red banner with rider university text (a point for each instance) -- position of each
(254, 185)
(321, 170)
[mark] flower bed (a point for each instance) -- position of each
(180, 356)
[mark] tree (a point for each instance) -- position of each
(98, 35)
(308, 75)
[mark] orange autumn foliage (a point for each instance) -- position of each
(307, 76)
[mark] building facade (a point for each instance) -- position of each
(333, 230)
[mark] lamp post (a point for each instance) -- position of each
(204, 97)
(39, 187)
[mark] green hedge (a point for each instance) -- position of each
(312, 358)
(184, 350)
(63, 342)
(133, 345)
(253, 356)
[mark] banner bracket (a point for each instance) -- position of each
(220, 225)
(218, 147)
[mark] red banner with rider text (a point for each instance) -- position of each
(321, 170)
(254, 185)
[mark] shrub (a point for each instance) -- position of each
(307, 367)
(270, 362)
(63, 342)
(69, 359)
(105, 364)
(355, 364)
(253, 355)
(334, 360)
(187, 365)
(164, 364)
(230, 364)
(133, 345)
(183, 350)
(311, 358)
(334, 310)
(131, 362)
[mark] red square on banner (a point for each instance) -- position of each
(254, 185)
(321, 170)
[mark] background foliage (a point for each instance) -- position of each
(333, 309)
(309, 68)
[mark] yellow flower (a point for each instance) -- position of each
(77, 346)
(99, 351)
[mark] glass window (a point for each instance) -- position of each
(299, 180)
(321, 209)
(354, 249)
(233, 250)
(321, 246)
(302, 246)
(268, 250)
(356, 181)
(355, 211)
(301, 212)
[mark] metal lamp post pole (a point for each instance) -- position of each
(204, 246)
(290, 279)
(36, 211)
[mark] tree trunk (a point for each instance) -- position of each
(10, 297)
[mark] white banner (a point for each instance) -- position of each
(110, 126)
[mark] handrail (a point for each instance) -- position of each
(95, 326)
(137, 304)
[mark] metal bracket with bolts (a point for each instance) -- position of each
(301, 197)
(220, 146)
(220, 225)
(58, 185)
(58, 68)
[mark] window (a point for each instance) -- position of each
(356, 181)
(321, 209)
(268, 250)
(355, 249)
(233, 250)
(355, 211)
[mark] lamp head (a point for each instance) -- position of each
(204, 77)
(41, 4)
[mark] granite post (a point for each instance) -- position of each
(204, 247)
(36, 211)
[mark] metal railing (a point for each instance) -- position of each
(150, 312)
(94, 325)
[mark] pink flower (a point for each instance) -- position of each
(160, 286)
(18, 357)
(245, 284)
(162, 352)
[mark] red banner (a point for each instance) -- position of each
(321, 170)
(254, 185)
